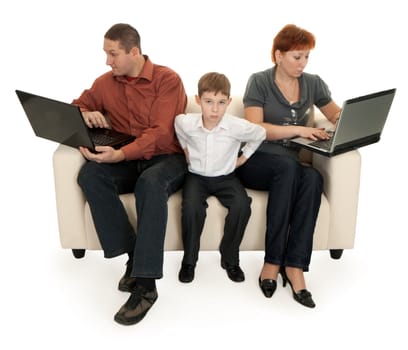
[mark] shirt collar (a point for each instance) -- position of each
(223, 124)
(304, 98)
(146, 72)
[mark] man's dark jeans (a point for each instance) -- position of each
(152, 181)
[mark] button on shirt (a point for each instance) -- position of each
(214, 152)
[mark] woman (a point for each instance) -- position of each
(280, 99)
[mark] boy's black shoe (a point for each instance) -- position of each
(234, 272)
(137, 306)
(186, 274)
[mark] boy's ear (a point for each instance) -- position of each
(197, 99)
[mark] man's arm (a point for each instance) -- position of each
(160, 136)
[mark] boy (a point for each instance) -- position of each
(211, 141)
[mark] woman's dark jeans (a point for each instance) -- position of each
(293, 205)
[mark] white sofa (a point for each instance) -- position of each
(335, 228)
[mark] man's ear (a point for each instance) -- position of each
(135, 51)
(198, 99)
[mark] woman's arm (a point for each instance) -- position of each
(279, 132)
(331, 111)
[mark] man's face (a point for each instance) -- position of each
(122, 63)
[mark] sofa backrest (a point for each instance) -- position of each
(237, 108)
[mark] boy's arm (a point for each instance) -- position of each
(253, 135)
(181, 135)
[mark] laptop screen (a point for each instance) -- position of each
(363, 117)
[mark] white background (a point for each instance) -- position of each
(49, 299)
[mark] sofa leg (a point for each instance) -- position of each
(78, 253)
(336, 253)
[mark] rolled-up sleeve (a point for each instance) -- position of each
(253, 135)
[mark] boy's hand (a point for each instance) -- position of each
(240, 161)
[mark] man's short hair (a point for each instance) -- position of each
(127, 36)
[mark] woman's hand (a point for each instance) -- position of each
(314, 133)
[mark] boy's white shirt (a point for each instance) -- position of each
(214, 152)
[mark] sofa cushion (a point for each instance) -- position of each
(214, 224)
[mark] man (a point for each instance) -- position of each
(142, 99)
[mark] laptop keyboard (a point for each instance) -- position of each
(324, 144)
(102, 139)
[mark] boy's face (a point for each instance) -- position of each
(213, 107)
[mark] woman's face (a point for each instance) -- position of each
(292, 62)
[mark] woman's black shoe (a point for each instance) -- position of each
(303, 297)
(268, 286)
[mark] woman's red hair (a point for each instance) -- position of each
(292, 37)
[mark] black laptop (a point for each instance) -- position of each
(63, 122)
(360, 124)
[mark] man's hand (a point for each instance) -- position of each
(106, 154)
(95, 120)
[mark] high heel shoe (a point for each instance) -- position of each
(303, 297)
(268, 286)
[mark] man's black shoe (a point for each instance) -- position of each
(234, 272)
(186, 274)
(127, 283)
(137, 306)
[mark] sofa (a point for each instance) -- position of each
(334, 231)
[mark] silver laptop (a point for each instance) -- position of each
(361, 123)
(63, 122)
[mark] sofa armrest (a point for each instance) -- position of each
(67, 162)
(341, 175)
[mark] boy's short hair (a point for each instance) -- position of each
(214, 82)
